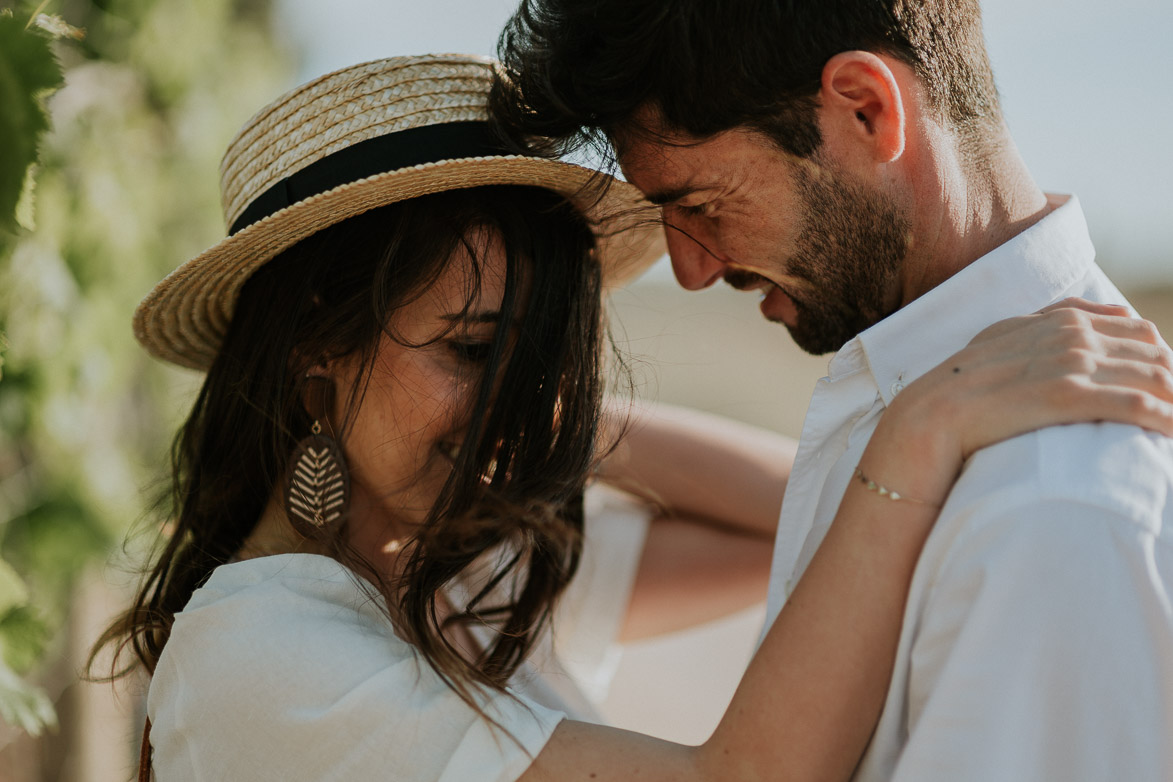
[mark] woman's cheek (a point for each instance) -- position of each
(453, 386)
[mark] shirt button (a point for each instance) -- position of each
(897, 387)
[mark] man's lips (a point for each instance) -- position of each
(776, 303)
(744, 280)
(779, 307)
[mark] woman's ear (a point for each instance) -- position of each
(318, 396)
(861, 103)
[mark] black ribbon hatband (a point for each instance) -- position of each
(401, 149)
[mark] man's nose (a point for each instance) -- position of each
(694, 266)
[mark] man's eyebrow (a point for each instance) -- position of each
(661, 197)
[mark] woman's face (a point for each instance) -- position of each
(411, 421)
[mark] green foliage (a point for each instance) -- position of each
(28, 72)
(13, 592)
(24, 706)
(22, 639)
(127, 188)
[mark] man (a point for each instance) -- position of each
(848, 160)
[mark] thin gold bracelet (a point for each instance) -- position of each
(884, 491)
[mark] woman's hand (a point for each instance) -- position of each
(1071, 362)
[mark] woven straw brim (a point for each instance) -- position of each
(185, 317)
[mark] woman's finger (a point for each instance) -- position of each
(1075, 329)
(1123, 404)
(1115, 325)
(1150, 378)
(1075, 302)
(1028, 405)
(1123, 391)
(1138, 329)
(1128, 349)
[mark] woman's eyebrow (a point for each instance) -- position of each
(480, 316)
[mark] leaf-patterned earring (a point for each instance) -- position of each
(318, 490)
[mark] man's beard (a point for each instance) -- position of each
(851, 245)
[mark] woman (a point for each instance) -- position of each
(377, 494)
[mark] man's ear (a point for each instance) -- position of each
(862, 103)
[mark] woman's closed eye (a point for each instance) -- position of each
(470, 351)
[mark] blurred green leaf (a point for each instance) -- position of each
(28, 72)
(58, 536)
(24, 705)
(23, 637)
(56, 26)
(13, 592)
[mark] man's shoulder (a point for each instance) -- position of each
(1082, 482)
(1069, 519)
(1117, 467)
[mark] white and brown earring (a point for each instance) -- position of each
(317, 492)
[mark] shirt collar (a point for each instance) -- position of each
(1021, 276)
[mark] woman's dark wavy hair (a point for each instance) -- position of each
(517, 482)
(577, 71)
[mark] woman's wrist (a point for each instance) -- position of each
(914, 451)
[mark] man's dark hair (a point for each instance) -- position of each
(578, 70)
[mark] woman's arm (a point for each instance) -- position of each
(716, 486)
(811, 695)
(717, 470)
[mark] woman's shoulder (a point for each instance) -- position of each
(279, 599)
(284, 581)
(288, 667)
(267, 620)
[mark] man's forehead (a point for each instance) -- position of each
(646, 135)
(651, 158)
(658, 179)
(668, 165)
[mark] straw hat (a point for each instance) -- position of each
(350, 141)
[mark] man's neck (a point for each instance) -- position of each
(971, 209)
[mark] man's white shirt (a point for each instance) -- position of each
(1038, 638)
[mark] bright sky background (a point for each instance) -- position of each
(1087, 88)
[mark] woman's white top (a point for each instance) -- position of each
(285, 668)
